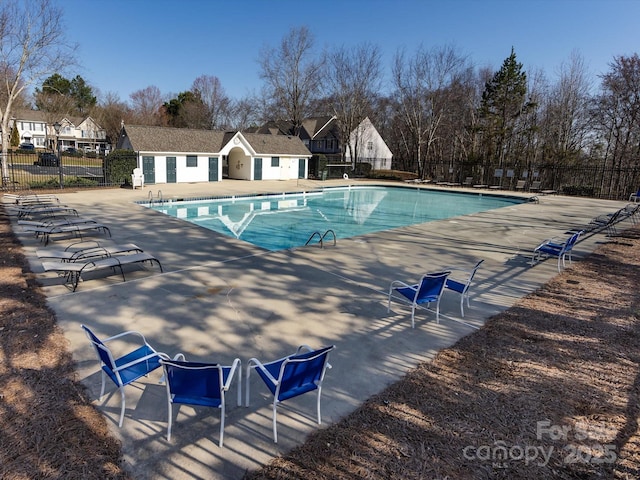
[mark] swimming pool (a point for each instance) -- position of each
(279, 222)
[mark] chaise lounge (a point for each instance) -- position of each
(73, 271)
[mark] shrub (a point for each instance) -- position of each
(54, 182)
(579, 190)
(119, 165)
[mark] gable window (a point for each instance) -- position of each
(275, 161)
(192, 161)
(369, 145)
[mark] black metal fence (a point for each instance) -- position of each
(589, 181)
(28, 171)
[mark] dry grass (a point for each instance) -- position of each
(567, 355)
(48, 426)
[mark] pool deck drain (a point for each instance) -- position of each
(221, 298)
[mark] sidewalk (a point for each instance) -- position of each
(220, 298)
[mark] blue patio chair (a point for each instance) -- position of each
(291, 376)
(128, 368)
(554, 248)
(199, 384)
(428, 290)
(460, 282)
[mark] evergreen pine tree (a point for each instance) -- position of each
(503, 101)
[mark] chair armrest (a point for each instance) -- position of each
(399, 283)
(128, 332)
(236, 365)
(259, 365)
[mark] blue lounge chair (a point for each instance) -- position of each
(128, 368)
(556, 248)
(460, 282)
(200, 384)
(291, 376)
(427, 291)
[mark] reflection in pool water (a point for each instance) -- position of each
(278, 222)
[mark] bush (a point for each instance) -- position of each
(363, 169)
(393, 175)
(119, 165)
(579, 190)
(54, 182)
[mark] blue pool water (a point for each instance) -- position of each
(278, 222)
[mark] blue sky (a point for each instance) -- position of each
(128, 45)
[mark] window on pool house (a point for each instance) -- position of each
(275, 161)
(192, 161)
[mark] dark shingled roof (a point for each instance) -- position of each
(166, 139)
(265, 144)
(186, 140)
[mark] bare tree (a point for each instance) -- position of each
(421, 88)
(566, 112)
(353, 82)
(244, 113)
(292, 75)
(215, 99)
(110, 114)
(32, 47)
(146, 105)
(618, 114)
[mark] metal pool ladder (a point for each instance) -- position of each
(321, 237)
(160, 200)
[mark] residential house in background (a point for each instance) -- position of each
(177, 155)
(370, 147)
(36, 127)
(321, 135)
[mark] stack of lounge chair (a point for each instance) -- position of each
(47, 217)
(561, 247)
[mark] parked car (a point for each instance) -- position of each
(47, 159)
(27, 146)
(71, 151)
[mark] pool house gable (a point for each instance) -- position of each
(257, 156)
(369, 147)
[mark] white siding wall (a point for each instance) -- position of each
(379, 154)
(192, 174)
(184, 174)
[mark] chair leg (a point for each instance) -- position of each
(462, 304)
(319, 417)
(169, 420)
(275, 429)
(103, 384)
(122, 408)
(221, 424)
(413, 315)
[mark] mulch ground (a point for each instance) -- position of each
(548, 389)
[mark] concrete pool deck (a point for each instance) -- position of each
(220, 298)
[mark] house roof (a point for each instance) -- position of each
(265, 144)
(168, 139)
(50, 117)
(318, 126)
(312, 128)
